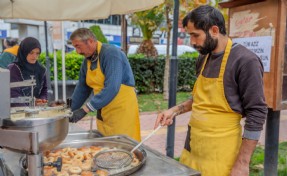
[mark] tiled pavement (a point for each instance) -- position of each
(158, 141)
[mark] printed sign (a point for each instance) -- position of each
(261, 46)
(3, 33)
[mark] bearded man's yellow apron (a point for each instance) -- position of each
(121, 115)
(214, 136)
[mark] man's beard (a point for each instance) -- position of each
(209, 45)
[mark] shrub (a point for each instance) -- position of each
(73, 64)
(148, 72)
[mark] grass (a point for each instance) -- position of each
(155, 102)
(257, 161)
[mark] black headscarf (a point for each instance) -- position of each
(27, 69)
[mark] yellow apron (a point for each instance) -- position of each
(214, 136)
(121, 115)
(13, 50)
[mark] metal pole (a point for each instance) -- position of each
(124, 34)
(173, 81)
(271, 143)
(63, 63)
(56, 75)
(50, 91)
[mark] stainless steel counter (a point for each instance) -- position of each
(156, 163)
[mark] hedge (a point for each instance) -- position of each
(148, 72)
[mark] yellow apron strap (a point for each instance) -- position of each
(225, 58)
(204, 63)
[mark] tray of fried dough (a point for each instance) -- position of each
(77, 158)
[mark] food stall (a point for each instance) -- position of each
(30, 135)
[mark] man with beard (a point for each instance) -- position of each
(229, 86)
(106, 74)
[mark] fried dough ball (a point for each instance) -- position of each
(48, 171)
(86, 173)
(65, 155)
(86, 165)
(55, 154)
(95, 148)
(76, 162)
(65, 167)
(102, 172)
(79, 157)
(87, 156)
(67, 160)
(135, 162)
(75, 170)
(84, 149)
(72, 153)
(63, 173)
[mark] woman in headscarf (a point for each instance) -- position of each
(25, 67)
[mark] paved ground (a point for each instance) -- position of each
(158, 141)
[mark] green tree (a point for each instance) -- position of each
(188, 5)
(185, 7)
(148, 21)
(168, 10)
(99, 34)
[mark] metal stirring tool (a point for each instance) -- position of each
(118, 158)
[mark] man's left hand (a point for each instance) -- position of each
(77, 115)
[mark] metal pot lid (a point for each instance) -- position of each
(16, 110)
(30, 117)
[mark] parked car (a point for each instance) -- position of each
(161, 49)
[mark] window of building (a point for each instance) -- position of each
(112, 20)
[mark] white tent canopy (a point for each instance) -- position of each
(75, 10)
(61, 10)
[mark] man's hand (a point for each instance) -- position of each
(165, 118)
(77, 115)
(57, 103)
(240, 169)
(40, 102)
